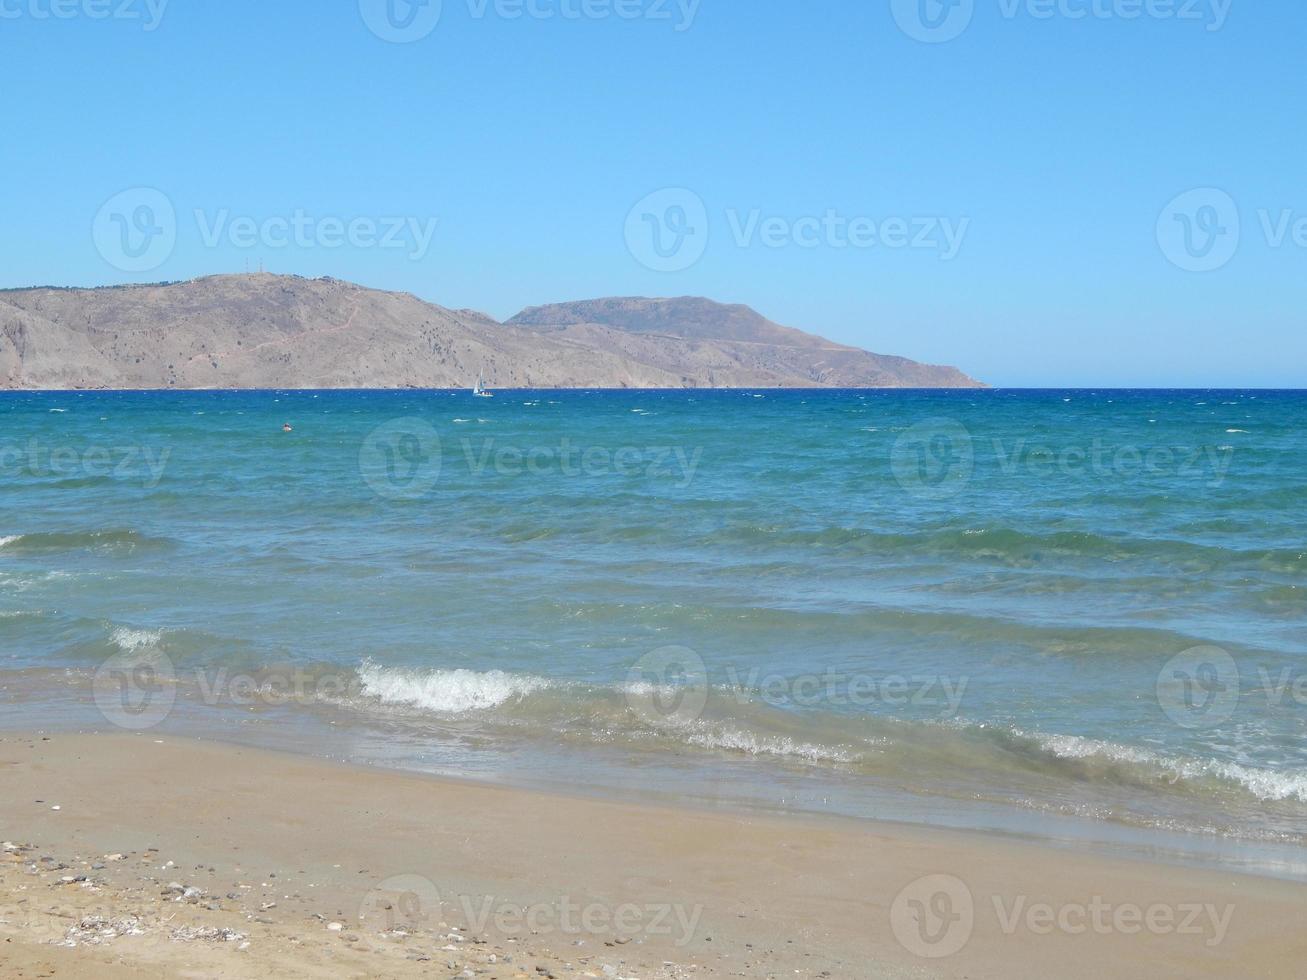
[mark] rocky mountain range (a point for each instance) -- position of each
(268, 331)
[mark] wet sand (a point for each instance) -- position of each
(135, 856)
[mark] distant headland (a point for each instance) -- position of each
(269, 331)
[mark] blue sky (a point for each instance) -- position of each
(1012, 194)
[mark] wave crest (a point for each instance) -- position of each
(445, 691)
(38, 542)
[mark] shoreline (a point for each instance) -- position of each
(569, 886)
(721, 784)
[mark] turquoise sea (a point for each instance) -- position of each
(1079, 614)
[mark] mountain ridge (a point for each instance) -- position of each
(270, 331)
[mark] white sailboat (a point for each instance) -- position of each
(480, 390)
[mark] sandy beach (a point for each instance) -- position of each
(135, 856)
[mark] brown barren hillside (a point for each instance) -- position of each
(266, 331)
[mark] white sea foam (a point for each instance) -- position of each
(1077, 747)
(737, 741)
(1264, 784)
(449, 691)
(10, 539)
(131, 640)
(647, 689)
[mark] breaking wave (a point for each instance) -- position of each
(909, 752)
(446, 691)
